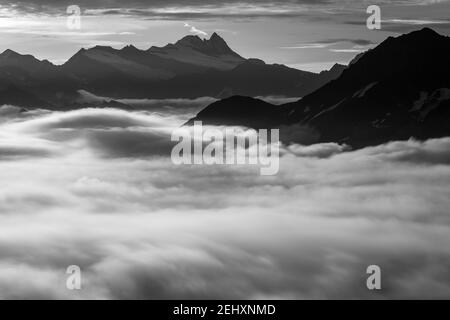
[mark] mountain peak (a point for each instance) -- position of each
(28, 62)
(8, 53)
(103, 48)
(396, 53)
(214, 46)
(11, 56)
(217, 45)
(218, 42)
(212, 53)
(427, 31)
(337, 66)
(415, 38)
(424, 34)
(130, 49)
(190, 40)
(216, 37)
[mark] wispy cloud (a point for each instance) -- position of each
(353, 50)
(308, 46)
(194, 30)
(331, 42)
(416, 22)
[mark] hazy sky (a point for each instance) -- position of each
(306, 34)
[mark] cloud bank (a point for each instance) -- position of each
(95, 188)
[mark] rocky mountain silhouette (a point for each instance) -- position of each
(191, 67)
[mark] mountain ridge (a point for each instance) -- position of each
(189, 68)
(397, 90)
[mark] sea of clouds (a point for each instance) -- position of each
(96, 188)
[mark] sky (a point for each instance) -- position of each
(306, 34)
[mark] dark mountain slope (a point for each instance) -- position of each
(251, 78)
(12, 95)
(29, 82)
(378, 98)
(223, 111)
(398, 90)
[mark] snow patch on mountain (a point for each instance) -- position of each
(418, 104)
(434, 101)
(361, 93)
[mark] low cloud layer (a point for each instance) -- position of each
(95, 188)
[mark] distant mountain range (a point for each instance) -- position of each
(190, 68)
(398, 90)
